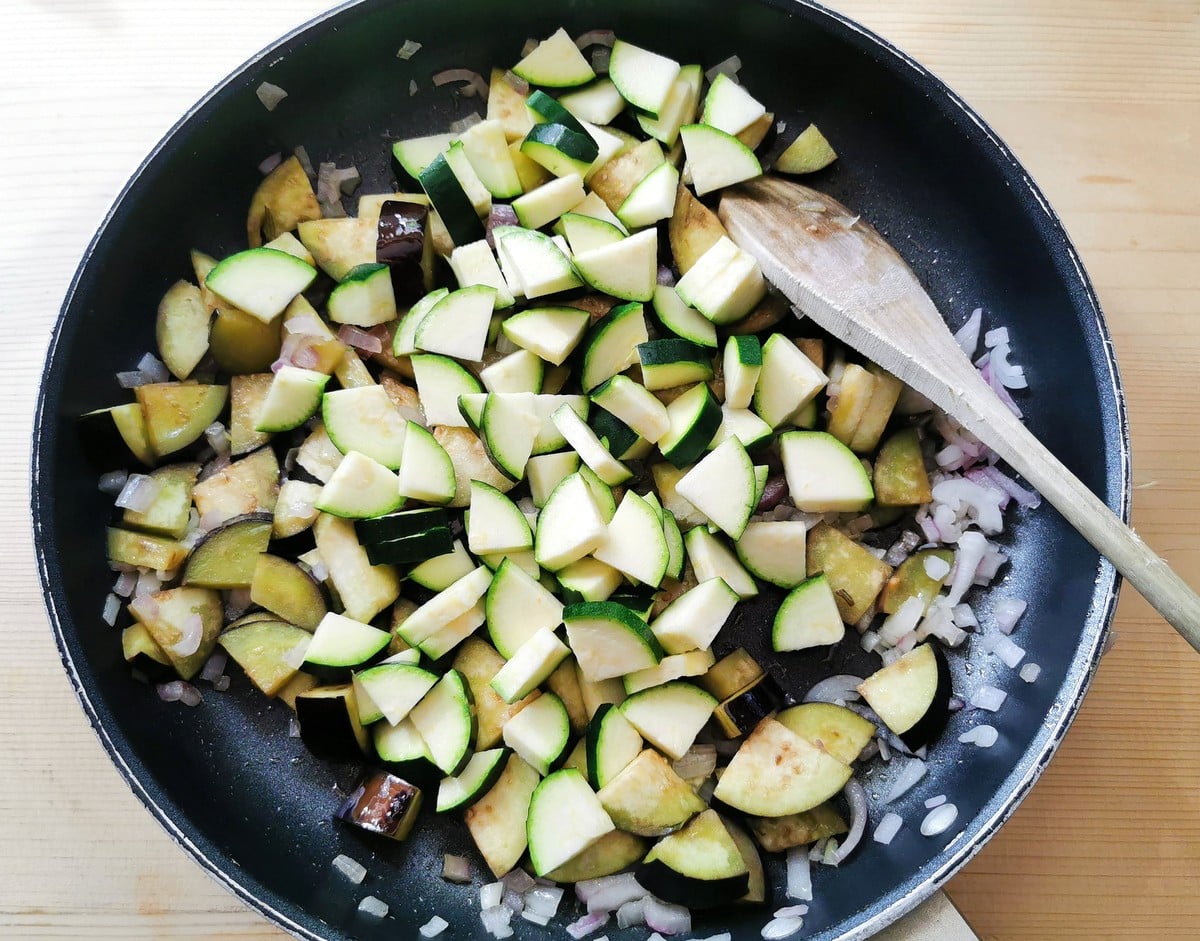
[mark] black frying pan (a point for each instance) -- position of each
(227, 782)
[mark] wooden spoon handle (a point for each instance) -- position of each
(1136, 561)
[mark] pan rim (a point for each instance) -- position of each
(1016, 786)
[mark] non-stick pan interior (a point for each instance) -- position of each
(227, 780)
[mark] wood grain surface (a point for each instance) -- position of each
(1099, 99)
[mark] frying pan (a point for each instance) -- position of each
(225, 779)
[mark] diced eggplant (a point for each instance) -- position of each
(912, 580)
(693, 229)
(497, 822)
(283, 200)
(564, 683)
(648, 798)
(770, 311)
(265, 650)
(912, 695)
(288, 590)
(612, 853)
(116, 437)
(226, 556)
(143, 550)
(143, 653)
(836, 730)
(246, 396)
(779, 834)
(400, 244)
(329, 725)
(741, 712)
(241, 343)
(383, 803)
(855, 575)
(731, 674)
(181, 328)
(172, 617)
(900, 477)
(300, 683)
(177, 413)
(249, 485)
(698, 867)
(169, 511)
(479, 662)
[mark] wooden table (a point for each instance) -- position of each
(1100, 99)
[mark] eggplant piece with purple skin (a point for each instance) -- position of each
(741, 712)
(912, 695)
(400, 245)
(383, 803)
(329, 724)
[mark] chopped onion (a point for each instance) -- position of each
(910, 773)
(408, 50)
(474, 83)
(1009, 375)
(723, 936)
(465, 123)
(885, 750)
(270, 163)
(834, 689)
(516, 83)
(600, 60)
(665, 918)
(996, 337)
(856, 797)
(1007, 612)
(543, 900)
(221, 683)
(293, 727)
(936, 568)
(131, 379)
(360, 339)
(985, 736)
(939, 820)
(530, 44)
(153, 367)
(214, 666)
(665, 277)
(295, 656)
(935, 801)
(698, 762)
(1030, 672)
(270, 95)
(729, 67)
(779, 928)
(139, 493)
(1025, 498)
(189, 695)
(967, 336)
(971, 548)
(237, 603)
(589, 923)
(888, 827)
(799, 875)
(902, 621)
(456, 868)
(964, 616)
(1000, 645)
(435, 926)
(869, 641)
(989, 698)
(631, 913)
(113, 482)
(937, 623)
(170, 692)
(608, 893)
(301, 154)
(791, 911)
(519, 881)
(993, 380)
(372, 907)
(976, 502)
(112, 607)
(496, 921)
(148, 583)
(217, 437)
(125, 584)
(595, 37)
(537, 919)
(192, 633)
(901, 548)
(412, 87)
(491, 895)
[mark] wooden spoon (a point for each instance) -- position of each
(849, 280)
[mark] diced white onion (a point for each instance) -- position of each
(408, 50)
(779, 928)
(699, 762)
(456, 868)
(170, 692)
(964, 615)
(939, 820)
(936, 567)
(888, 827)
(903, 621)
(350, 868)
(1007, 612)
(834, 689)
(543, 900)
(293, 727)
(984, 736)
(294, 657)
(534, 917)
(432, 928)
(909, 774)
(971, 547)
(799, 875)
(967, 336)
(592, 922)
(221, 683)
(989, 698)
(125, 584)
(609, 893)
(373, 908)
(936, 801)
(496, 921)
(723, 936)
(631, 913)
(491, 894)
(665, 918)
(1030, 672)
(965, 497)
(112, 607)
(270, 95)
(139, 493)
(996, 337)
(217, 437)
(1002, 646)
(729, 67)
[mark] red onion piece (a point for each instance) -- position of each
(153, 368)
(360, 339)
(909, 774)
(608, 893)
(170, 692)
(125, 584)
(519, 881)
(516, 83)
(971, 548)
(632, 913)
(192, 630)
(588, 924)
(456, 868)
(270, 163)
(596, 37)
(799, 874)
(779, 928)
(214, 666)
(473, 80)
(989, 698)
(939, 820)
(270, 95)
(1025, 498)
(967, 336)
(888, 827)
(138, 494)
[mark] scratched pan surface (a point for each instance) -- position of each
(225, 779)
